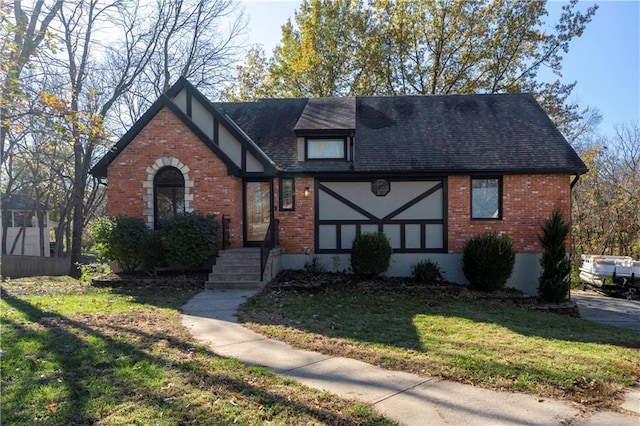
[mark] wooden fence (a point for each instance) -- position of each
(30, 266)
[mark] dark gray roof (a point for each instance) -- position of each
(460, 133)
(327, 115)
(507, 133)
(19, 202)
(440, 135)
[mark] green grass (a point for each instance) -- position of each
(74, 354)
(456, 337)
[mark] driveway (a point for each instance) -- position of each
(608, 310)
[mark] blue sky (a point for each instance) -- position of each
(605, 61)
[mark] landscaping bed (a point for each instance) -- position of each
(165, 279)
(326, 281)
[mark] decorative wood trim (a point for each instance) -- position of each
(413, 202)
(346, 202)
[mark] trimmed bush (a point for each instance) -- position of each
(488, 260)
(426, 272)
(189, 239)
(119, 239)
(555, 279)
(153, 252)
(370, 254)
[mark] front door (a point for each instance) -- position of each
(257, 211)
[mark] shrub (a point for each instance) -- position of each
(313, 265)
(426, 272)
(370, 254)
(488, 260)
(93, 269)
(118, 239)
(189, 239)
(153, 252)
(555, 279)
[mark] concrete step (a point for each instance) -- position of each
(210, 285)
(240, 254)
(240, 263)
(234, 276)
(225, 268)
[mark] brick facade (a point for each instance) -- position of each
(165, 140)
(527, 201)
(167, 137)
(297, 227)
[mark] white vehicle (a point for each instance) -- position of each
(615, 273)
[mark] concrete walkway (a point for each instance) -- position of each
(404, 397)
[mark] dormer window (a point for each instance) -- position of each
(326, 149)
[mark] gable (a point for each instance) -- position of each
(215, 130)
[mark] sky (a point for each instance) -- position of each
(605, 61)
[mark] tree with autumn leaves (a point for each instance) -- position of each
(387, 47)
(76, 74)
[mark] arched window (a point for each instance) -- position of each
(168, 189)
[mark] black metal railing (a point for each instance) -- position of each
(226, 239)
(271, 240)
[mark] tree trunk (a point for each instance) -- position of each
(78, 206)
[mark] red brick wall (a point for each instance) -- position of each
(167, 136)
(296, 227)
(527, 201)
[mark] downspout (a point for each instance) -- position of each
(573, 183)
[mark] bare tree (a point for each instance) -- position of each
(606, 200)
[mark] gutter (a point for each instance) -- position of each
(574, 181)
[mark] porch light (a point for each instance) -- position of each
(307, 191)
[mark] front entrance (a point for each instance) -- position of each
(258, 201)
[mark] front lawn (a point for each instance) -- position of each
(74, 354)
(456, 336)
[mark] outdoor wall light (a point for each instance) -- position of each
(307, 191)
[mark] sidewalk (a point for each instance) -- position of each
(404, 397)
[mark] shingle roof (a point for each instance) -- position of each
(20, 202)
(506, 133)
(322, 115)
(460, 133)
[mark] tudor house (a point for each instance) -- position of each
(428, 171)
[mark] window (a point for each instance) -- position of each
(486, 198)
(326, 149)
(287, 194)
(22, 218)
(168, 186)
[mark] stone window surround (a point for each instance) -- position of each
(148, 186)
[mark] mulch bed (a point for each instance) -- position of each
(165, 279)
(326, 281)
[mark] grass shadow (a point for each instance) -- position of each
(88, 371)
(454, 336)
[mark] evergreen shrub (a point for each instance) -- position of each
(119, 239)
(426, 272)
(370, 254)
(189, 239)
(555, 279)
(488, 261)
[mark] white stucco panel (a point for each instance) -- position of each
(202, 118)
(230, 145)
(360, 194)
(181, 100)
